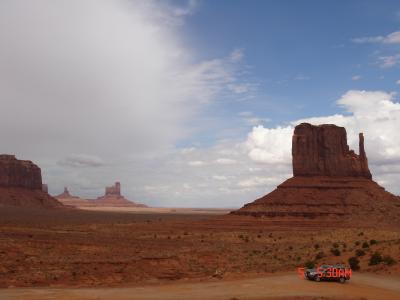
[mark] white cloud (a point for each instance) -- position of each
(225, 161)
(392, 38)
(252, 120)
(398, 82)
(220, 177)
(81, 160)
(196, 163)
(237, 55)
(257, 182)
(270, 145)
(356, 77)
(389, 61)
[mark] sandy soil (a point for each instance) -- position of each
(76, 248)
(160, 210)
(278, 286)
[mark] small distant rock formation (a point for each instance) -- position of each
(330, 182)
(113, 198)
(21, 184)
(65, 194)
(114, 190)
(67, 199)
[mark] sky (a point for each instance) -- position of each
(193, 103)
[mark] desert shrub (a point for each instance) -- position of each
(316, 246)
(365, 245)
(259, 236)
(373, 242)
(390, 261)
(335, 245)
(354, 263)
(309, 264)
(357, 243)
(375, 259)
(360, 252)
(335, 251)
(361, 233)
(320, 255)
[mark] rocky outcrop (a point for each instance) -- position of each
(323, 151)
(21, 184)
(113, 198)
(114, 190)
(19, 173)
(330, 183)
(65, 194)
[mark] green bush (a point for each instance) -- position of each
(365, 245)
(335, 245)
(375, 259)
(390, 261)
(335, 251)
(320, 255)
(310, 264)
(373, 242)
(354, 263)
(360, 252)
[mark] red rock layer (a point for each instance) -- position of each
(351, 199)
(14, 196)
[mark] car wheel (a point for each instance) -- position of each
(318, 279)
(342, 280)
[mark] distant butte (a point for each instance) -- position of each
(111, 198)
(21, 184)
(330, 182)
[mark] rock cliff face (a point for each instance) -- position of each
(19, 173)
(323, 151)
(21, 184)
(330, 182)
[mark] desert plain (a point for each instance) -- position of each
(86, 254)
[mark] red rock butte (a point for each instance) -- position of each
(112, 197)
(330, 182)
(323, 151)
(21, 184)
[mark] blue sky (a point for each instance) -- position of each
(194, 102)
(300, 53)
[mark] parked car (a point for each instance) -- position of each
(337, 272)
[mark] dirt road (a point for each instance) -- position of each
(281, 286)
